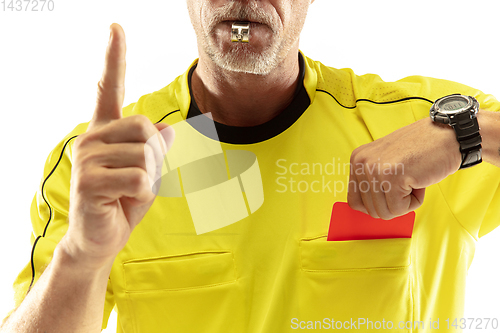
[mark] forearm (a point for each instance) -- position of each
(489, 122)
(66, 298)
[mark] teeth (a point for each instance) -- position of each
(240, 32)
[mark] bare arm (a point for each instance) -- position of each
(113, 164)
(68, 297)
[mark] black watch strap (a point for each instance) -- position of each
(467, 130)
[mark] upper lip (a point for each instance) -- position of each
(238, 20)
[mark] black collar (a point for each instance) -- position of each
(262, 132)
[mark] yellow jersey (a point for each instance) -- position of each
(268, 268)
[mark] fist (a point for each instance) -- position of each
(388, 176)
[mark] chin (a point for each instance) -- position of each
(259, 65)
(244, 58)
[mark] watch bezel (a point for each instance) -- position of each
(446, 117)
(463, 109)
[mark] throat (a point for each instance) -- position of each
(249, 100)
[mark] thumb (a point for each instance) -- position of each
(417, 198)
(168, 134)
(111, 87)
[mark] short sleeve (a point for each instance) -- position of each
(49, 218)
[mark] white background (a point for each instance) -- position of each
(50, 63)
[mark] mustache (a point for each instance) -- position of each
(236, 11)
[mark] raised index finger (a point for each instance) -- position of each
(111, 87)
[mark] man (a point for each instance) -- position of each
(273, 271)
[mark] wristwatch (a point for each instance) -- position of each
(459, 111)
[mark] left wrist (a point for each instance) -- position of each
(459, 112)
(447, 138)
(489, 122)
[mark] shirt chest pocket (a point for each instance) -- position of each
(181, 293)
(347, 280)
(182, 272)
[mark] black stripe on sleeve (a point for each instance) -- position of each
(33, 263)
(50, 212)
(374, 102)
(47, 178)
(165, 116)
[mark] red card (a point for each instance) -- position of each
(349, 224)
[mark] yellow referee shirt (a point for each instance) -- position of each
(271, 269)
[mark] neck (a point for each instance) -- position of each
(240, 99)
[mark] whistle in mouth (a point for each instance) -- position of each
(240, 32)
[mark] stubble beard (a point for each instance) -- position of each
(240, 59)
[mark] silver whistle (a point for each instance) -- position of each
(240, 32)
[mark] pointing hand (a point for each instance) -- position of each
(110, 184)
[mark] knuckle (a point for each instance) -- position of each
(397, 207)
(354, 155)
(87, 181)
(141, 124)
(100, 88)
(359, 160)
(78, 141)
(81, 141)
(88, 139)
(357, 150)
(138, 180)
(406, 181)
(106, 84)
(85, 158)
(100, 92)
(386, 215)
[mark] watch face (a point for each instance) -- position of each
(453, 104)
